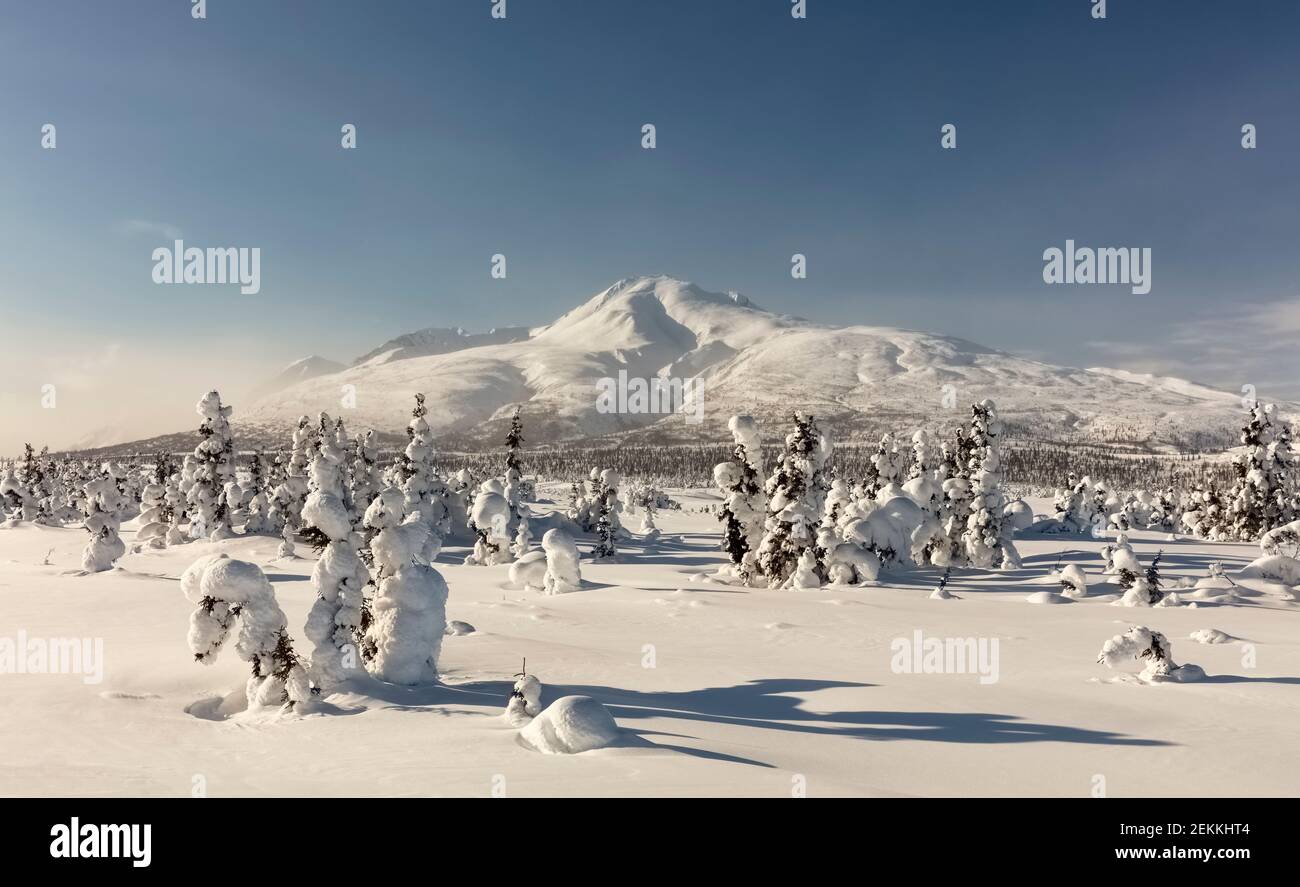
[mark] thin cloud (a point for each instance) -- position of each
(140, 227)
(1249, 344)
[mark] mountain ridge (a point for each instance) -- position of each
(858, 378)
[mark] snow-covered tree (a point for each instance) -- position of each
(213, 466)
(891, 463)
(988, 537)
(523, 533)
(490, 518)
(232, 595)
(1258, 501)
(606, 547)
(364, 478)
(425, 491)
(1142, 588)
(285, 516)
(155, 519)
(409, 611)
(1165, 511)
(339, 577)
(102, 521)
(957, 501)
(261, 490)
(1204, 514)
(795, 498)
(12, 494)
(563, 572)
(32, 478)
(740, 481)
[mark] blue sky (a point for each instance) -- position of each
(522, 137)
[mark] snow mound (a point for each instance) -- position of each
(571, 725)
(458, 629)
(1210, 636)
(1047, 597)
(1273, 568)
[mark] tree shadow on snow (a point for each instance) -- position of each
(1243, 679)
(763, 705)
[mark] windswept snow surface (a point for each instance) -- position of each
(716, 690)
(749, 360)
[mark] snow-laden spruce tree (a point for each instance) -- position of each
(1204, 514)
(563, 571)
(524, 489)
(742, 513)
(339, 577)
(924, 486)
(35, 493)
(607, 521)
(155, 519)
(1142, 588)
(425, 491)
(364, 478)
(988, 537)
(409, 610)
(259, 502)
(11, 495)
(950, 550)
(523, 533)
(1165, 511)
(213, 466)
(891, 463)
(343, 444)
(291, 492)
(1257, 502)
(794, 502)
(232, 595)
(102, 521)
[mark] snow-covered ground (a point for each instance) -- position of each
(720, 690)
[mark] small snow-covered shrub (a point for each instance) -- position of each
(490, 516)
(529, 571)
(525, 701)
(1282, 540)
(848, 563)
(1074, 582)
(1273, 568)
(1152, 649)
(571, 725)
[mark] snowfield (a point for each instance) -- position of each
(715, 690)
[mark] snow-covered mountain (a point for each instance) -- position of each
(859, 380)
(298, 371)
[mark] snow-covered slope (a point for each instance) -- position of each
(439, 340)
(858, 379)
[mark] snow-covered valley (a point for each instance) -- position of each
(718, 690)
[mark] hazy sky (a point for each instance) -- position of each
(523, 137)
